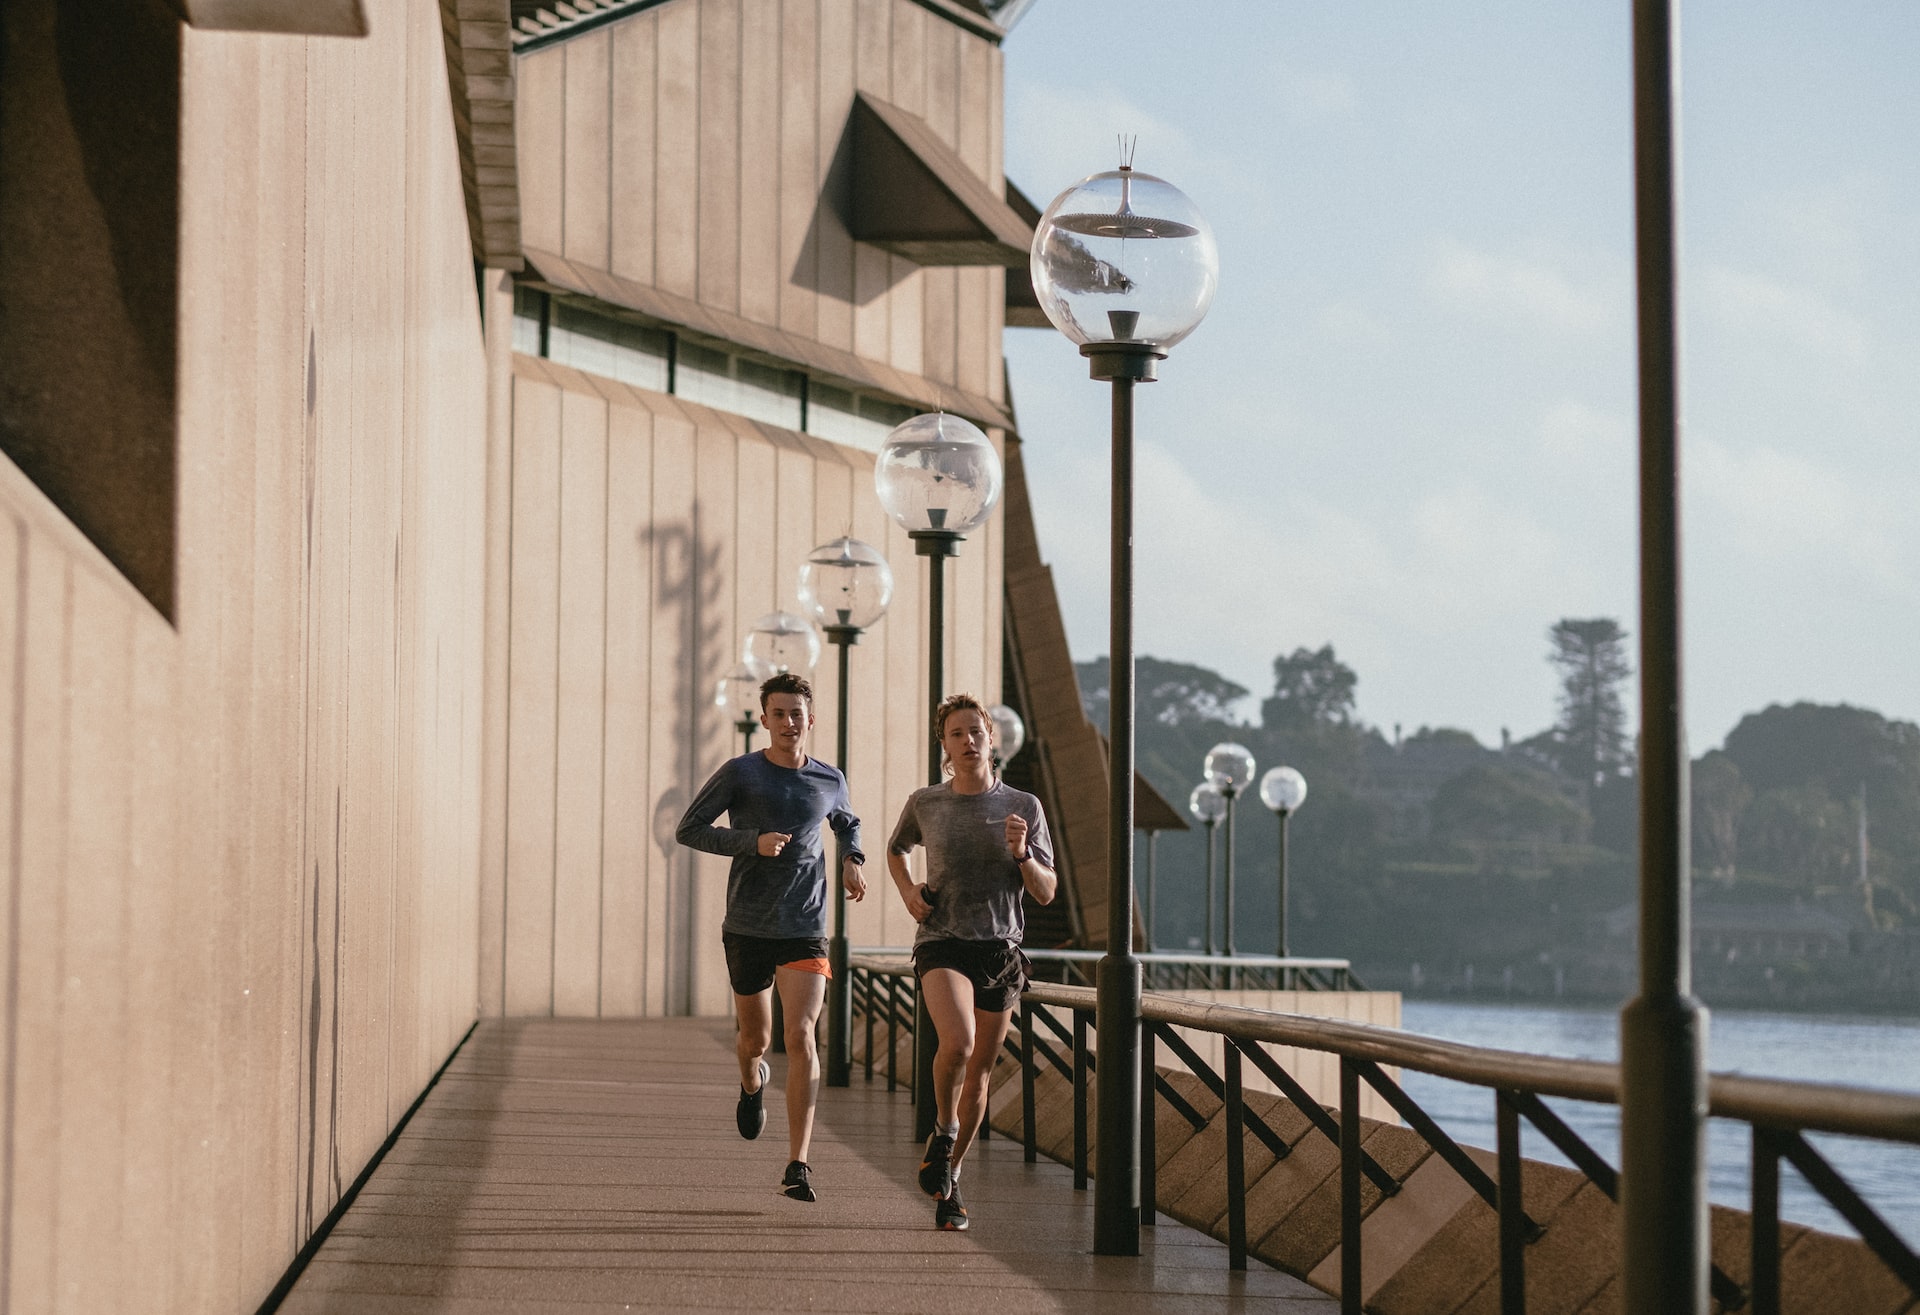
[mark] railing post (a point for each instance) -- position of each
(1236, 1130)
(1513, 1218)
(893, 1032)
(1349, 1188)
(1766, 1223)
(866, 998)
(1148, 1147)
(1079, 1101)
(1028, 1129)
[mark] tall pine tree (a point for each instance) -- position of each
(1591, 657)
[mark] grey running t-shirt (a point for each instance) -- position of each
(773, 897)
(975, 883)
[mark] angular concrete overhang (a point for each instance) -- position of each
(314, 18)
(911, 194)
(479, 41)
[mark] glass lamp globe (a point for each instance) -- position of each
(1230, 768)
(1009, 732)
(1282, 789)
(846, 583)
(738, 693)
(1124, 257)
(1206, 803)
(782, 641)
(938, 472)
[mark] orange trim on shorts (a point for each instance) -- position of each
(820, 966)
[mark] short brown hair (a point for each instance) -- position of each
(785, 682)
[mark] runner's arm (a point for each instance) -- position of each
(697, 829)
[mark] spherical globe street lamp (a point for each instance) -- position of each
(782, 641)
(738, 696)
(1125, 266)
(845, 583)
(845, 586)
(1230, 767)
(1124, 257)
(938, 474)
(1283, 790)
(1208, 806)
(1009, 734)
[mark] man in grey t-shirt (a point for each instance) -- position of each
(987, 845)
(778, 802)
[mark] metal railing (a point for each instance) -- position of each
(1204, 972)
(1778, 1112)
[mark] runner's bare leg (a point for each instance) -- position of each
(950, 1005)
(801, 996)
(989, 1032)
(754, 1014)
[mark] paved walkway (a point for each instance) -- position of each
(573, 1166)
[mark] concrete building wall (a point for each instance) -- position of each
(646, 535)
(238, 845)
(697, 148)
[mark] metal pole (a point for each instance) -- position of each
(1210, 896)
(936, 546)
(1116, 1178)
(1282, 942)
(745, 727)
(1229, 900)
(839, 987)
(1663, 1032)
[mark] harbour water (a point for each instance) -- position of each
(1853, 1050)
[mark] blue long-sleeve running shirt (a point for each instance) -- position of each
(773, 897)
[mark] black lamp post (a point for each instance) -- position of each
(1283, 789)
(1230, 768)
(738, 696)
(939, 478)
(1125, 266)
(845, 586)
(1208, 806)
(1663, 1031)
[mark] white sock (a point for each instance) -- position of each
(950, 1129)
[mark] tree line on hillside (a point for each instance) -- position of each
(1404, 834)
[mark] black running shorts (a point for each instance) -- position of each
(752, 959)
(997, 969)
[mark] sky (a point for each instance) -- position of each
(1407, 427)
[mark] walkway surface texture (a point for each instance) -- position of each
(583, 1166)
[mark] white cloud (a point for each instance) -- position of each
(1781, 509)
(1575, 432)
(1741, 301)
(1057, 136)
(1514, 288)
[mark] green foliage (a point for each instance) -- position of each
(1506, 804)
(1311, 688)
(1720, 796)
(1799, 832)
(1808, 765)
(1591, 735)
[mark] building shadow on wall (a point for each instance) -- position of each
(690, 630)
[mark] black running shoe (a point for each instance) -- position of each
(750, 1115)
(936, 1167)
(948, 1213)
(797, 1183)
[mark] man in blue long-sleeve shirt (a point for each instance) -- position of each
(775, 930)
